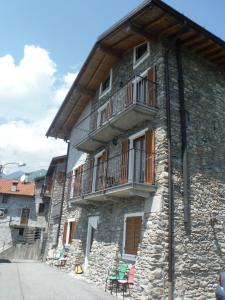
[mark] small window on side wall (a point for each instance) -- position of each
(41, 208)
(105, 86)
(140, 53)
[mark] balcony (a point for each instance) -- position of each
(126, 175)
(129, 107)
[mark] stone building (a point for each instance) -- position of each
(53, 191)
(145, 121)
(23, 215)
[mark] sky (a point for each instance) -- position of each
(43, 46)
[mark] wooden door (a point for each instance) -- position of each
(25, 216)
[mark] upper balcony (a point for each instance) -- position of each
(124, 175)
(129, 107)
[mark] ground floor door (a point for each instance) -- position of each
(91, 230)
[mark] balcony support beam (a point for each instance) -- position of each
(84, 90)
(109, 50)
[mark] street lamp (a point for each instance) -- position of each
(2, 166)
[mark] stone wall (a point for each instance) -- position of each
(199, 245)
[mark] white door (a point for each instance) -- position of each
(92, 227)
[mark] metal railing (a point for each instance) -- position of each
(133, 166)
(139, 90)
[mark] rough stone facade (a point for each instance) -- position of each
(199, 251)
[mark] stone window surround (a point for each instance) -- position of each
(68, 230)
(139, 61)
(136, 214)
(101, 93)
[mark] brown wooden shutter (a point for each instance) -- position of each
(69, 186)
(129, 94)
(151, 99)
(72, 230)
(94, 120)
(150, 156)
(133, 231)
(78, 180)
(109, 110)
(124, 162)
(64, 232)
(90, 175)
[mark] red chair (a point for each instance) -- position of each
(125, 283)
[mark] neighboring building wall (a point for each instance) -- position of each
(14, 207)
(57, 179)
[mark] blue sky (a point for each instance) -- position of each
(43, 46)
(68, 29)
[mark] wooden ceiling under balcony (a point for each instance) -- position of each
(152, 21)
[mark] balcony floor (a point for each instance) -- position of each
(121, 191)
(133, 116)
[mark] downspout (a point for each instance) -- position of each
(63, 193)
(183, 135)
(170, 181)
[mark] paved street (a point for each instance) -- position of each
(37, 281)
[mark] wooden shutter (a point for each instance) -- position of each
(64, 232)
(94, 120)
(124, 162)
(151, 97)
(133, 231)
(90, 175)
(109, 110)
(72, 230)
(129, 94)
(78, 180)
(150, 156)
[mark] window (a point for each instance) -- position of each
(69, 229)
(41, 208)
(77, 181)
(3, 212)
(132, 234)
(25, 216)
(21, 231)
(140, 53)
(5, 198)
(99, 173)
(105, 86)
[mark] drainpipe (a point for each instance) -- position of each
(183, 135)
(170, 181)
(63, 193)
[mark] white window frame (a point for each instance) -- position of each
(99, 114)
(99, 154)
(101, 93)
(136, 214)
(135, 81)
(131, 150)
(140, 60)
(92, 222)
(68, 230)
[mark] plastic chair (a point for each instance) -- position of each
(115, 274)
(128, 281)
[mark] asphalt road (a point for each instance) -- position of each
(37, 281)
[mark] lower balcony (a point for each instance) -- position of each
(130, 174)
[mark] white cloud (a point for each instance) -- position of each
(29, 100)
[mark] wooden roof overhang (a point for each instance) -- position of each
(150, 21)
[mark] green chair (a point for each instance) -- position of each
(115, 274)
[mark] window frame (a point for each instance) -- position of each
(130, 215)
(141, 59)
(103, 93)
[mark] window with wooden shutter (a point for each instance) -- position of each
(124, 162)
(72, 231)
(78, 181)
(132, 234)
(150, 156)
(151, 99)
(64, 232)
(101, 171)
(129, 99)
